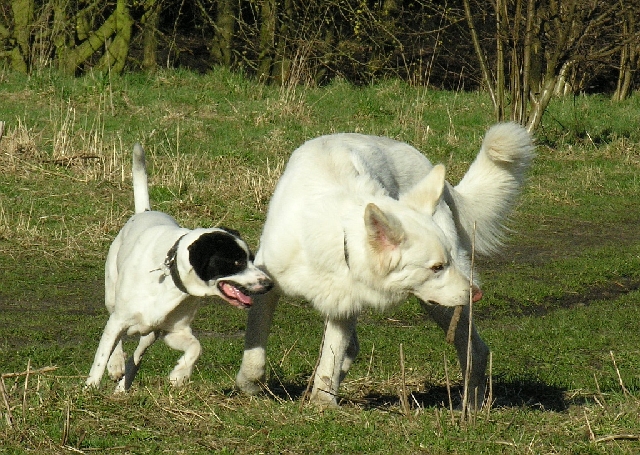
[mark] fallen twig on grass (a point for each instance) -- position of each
(618, 437)
(5, 396)
(5, 399)
(620, 381)
(592, 437)
(29, 372)
(467, 372)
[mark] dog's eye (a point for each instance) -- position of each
(241, 264)
(437, 267)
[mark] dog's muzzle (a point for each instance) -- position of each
(241, 296)
(476, 295)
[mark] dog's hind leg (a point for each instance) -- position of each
(251, 375)
(352, 352)
(183, 340)
(339, 348)
(479, 350)
(133, 362)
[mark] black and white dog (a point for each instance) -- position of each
(155, 270)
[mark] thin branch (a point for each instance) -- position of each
(618, 437)
(5, 399)
(624, 389)
(403, 393)
(29, 372)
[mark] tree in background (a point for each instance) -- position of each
(550, 47)
(629, 52)
(523, 52)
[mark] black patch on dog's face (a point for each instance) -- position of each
(216, 255)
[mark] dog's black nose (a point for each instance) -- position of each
(266, 284)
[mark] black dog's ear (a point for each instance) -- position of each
(200, 253)
(216, 254)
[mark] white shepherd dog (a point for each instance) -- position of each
(361, 222)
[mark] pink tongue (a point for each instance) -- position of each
(235, 293)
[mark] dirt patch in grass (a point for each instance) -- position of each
(609, 290)
(556, 239)
(551, 238)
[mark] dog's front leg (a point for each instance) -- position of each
(111, 335)
(116, 364)
(339, 349)
(183, 340)
(479, 350)
(251, 375)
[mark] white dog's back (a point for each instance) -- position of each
(330, 179)
(327, 180)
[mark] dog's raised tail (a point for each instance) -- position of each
(487, 193)
(140, 187)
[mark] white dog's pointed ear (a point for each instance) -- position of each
(384, 231)
(427, 193)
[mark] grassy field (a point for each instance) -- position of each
(560, 311)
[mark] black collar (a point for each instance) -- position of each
(171, 263)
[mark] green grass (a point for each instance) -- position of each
(560, 310)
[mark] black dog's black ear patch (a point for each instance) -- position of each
(216, 255)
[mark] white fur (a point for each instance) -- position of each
(362, 222)
(142, 296)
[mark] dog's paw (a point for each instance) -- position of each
(91, 383)
(323, 399)
(121, 387)
(179, 376)
(116, 365)
(247, 385)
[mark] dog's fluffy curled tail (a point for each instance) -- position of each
(488, 191)
(140, 187)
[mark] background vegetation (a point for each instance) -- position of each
(522, 52)
(590, 45)
(560, 310)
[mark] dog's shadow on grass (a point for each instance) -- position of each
(524, 393)
(531, 394)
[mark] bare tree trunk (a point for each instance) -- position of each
(500, 82)
(149, 23)
(225, 25)
(22, 20)
(267, 38)
(518, 100)
(482, 59)
(527, 55)
(539, 105)
(327, 57)
(283, 71)
(71, 57)
(628, 58)
(563, 84)
(117, 50)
